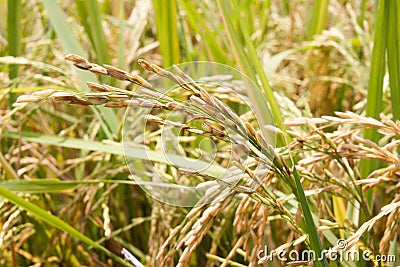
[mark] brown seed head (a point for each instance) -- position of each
(146, 65)
(116, 73)
(97, 69)
(97, 87)
(75, 59)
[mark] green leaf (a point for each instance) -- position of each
(165, 14)
(274, 61)
(55, 186)
(58, 223)
(209, 33)
(44, 185)
(14, 32)
(318, 19)
(23, 61)
(250, 65)
(315, 242)
(393, 56)
(91, 17)
(117, 149)
(375, 87)
(109, 121)
(40, 186)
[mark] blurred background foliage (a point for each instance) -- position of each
(309, 58)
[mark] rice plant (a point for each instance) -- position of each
(91, 153)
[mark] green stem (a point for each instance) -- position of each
(393, 56)
(315, 242)
(13, 38)
(375, 89)
(318, 19)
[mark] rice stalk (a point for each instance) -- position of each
(13, 37)
(216, 117)
(165, 13)
(318, 19)
(375, 85)
(393, 56)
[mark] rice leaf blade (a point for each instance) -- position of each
(58, 223)
(375, 87)
(393, 56)
(107, 117)
(315, 242)
(115, 149)
(246, 66)
(165, 14)
(318, 19)
(14, 33)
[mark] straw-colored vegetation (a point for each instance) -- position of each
(329, 71)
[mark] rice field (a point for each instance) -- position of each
(199, 133)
